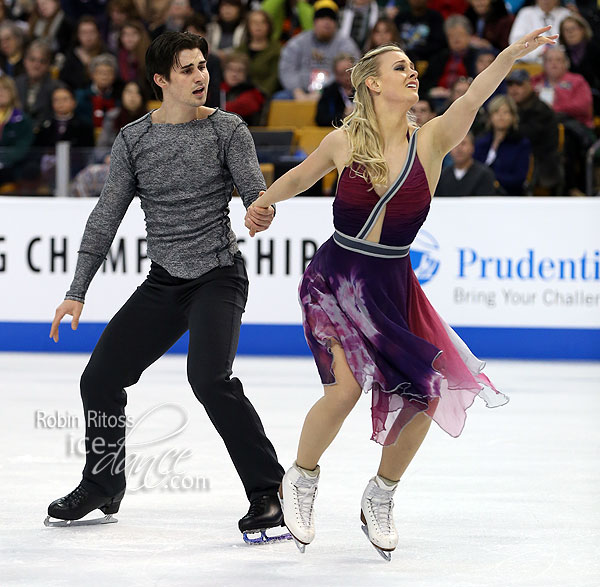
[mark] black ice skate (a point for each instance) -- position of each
(264, 513)
(72, 507)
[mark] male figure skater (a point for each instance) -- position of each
(182, 160)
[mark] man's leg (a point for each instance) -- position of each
(142, 331)
(215, 314)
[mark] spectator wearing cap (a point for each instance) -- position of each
(450, 64)
(306, 63)
(421, 30)
(465, 176)
(529, 18)
(539, 124)
(491, 23)
(357, 19)
(336, 101)
(35, 86)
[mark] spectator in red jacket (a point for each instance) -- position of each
(565, 92)
(238, 95)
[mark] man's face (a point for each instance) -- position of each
(188, 83)
(103, 76)
(519, 91)
(422, 111)
(63, 102)
(555, 64)
(36, 64)
(463, 152)
(325, 28)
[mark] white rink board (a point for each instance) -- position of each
(494, 261)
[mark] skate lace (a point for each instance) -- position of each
(76, 496)
(257, 506)
(381, 504)
(305, 493)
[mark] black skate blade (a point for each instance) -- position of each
(263, 538)
(50, 523)
(385, 554)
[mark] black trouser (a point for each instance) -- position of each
(160, 311)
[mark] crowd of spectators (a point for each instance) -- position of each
(74, 71)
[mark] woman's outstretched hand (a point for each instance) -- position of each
(531, 42)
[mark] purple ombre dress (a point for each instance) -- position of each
(366, 296)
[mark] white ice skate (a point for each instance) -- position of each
(377, 515)
(299, 492)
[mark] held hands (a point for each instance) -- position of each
(258, 218)
(70, 307)
(531, 42)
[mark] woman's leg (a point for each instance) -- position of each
(396, 457)
(326, 417)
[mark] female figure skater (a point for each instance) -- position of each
(366, 320)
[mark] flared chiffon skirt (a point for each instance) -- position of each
(395, 343)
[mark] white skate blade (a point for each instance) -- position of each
(260, 536)
(50, 523)
(385, 554)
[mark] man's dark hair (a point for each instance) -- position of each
(163, 55)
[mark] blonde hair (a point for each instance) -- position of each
(497, 103)
(366, 147)
(8, 83)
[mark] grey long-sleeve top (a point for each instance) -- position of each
(184, 175)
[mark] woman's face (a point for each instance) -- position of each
(5, 97)
(502, 119)
(130, 37)
(117, 17)
(8, 43)
(397, 79)
(131, 98)
(258, 27)
(88, 35)
(382, 35)
(47, 8)
(229, 12)
(481, 7)
(572, 32)
(235, 73)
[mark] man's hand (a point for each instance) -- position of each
(70, 307)
(258, 219)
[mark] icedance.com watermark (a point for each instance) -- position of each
(160, 470)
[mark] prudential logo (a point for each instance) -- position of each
(424, 256)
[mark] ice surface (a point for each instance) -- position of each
(514, 501)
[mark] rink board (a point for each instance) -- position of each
(517, 278)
